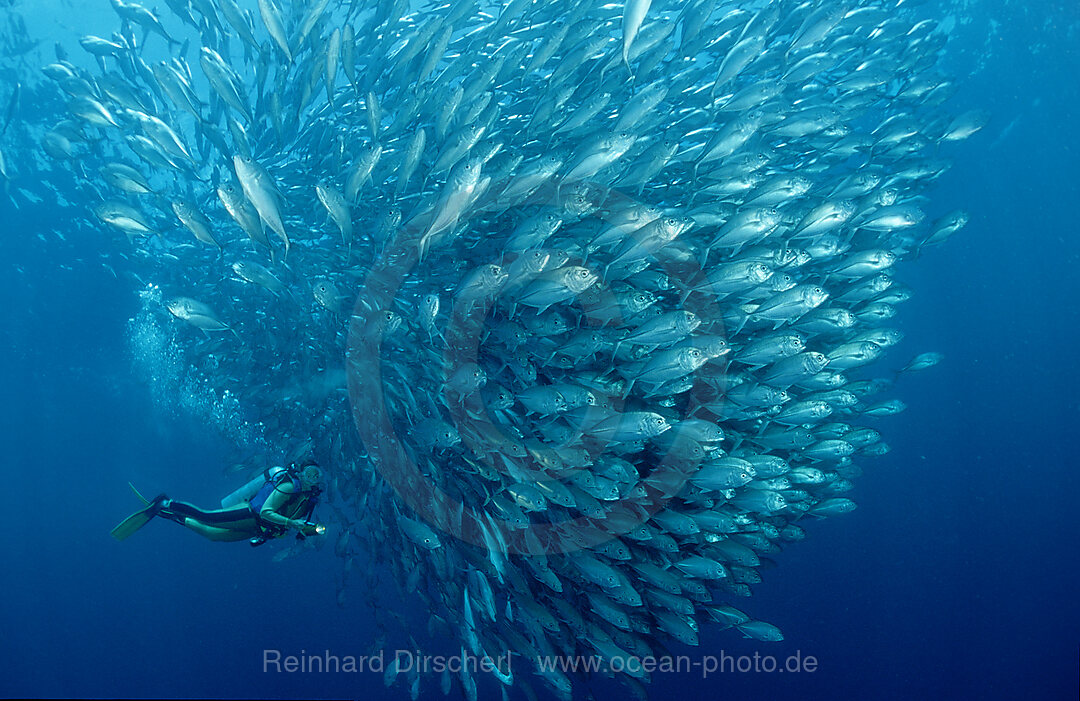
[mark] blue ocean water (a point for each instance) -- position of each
(956, 576)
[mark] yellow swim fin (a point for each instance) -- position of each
(141, 497)
(138, 519)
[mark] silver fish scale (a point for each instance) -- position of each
(422, 358)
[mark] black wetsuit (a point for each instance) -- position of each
(300, 503)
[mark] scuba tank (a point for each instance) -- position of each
(244, 493)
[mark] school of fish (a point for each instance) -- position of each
(586, 307)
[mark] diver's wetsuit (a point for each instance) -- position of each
(234, 517)
(285, 501)
(242, 521)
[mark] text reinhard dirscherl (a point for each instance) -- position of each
(415, 661)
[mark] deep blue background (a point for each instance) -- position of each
(957, 575)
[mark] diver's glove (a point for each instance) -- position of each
(308, 528)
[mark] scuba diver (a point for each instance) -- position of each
(269, 506)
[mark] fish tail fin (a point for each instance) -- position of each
(422, 246)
